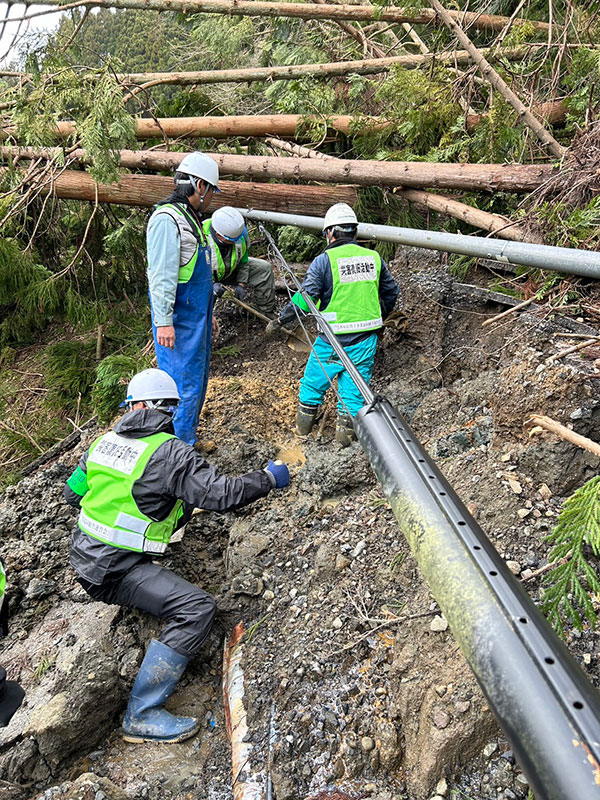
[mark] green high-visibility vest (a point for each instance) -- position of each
(109, 512)
(188, 228)
(354, 304)
(239, 254)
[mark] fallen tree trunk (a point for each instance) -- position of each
(501, 226)
(410, 174)
(146, 190)
(367, 66)
(243, 125)
(490, 74)
(432, 202)
(258, 8)
(280, 125)
(553, 112)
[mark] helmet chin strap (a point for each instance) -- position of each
(195, 183)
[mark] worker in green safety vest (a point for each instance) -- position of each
(228, 241)
(11, 693)
(134, 487)
(355, 292)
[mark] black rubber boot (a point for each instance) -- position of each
(344, 430)
(305, 419)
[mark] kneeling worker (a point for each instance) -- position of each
(135, 486)
(228, 241)
(356, 292)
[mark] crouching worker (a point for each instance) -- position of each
(228, 241)
(355, 292)
(135, 486)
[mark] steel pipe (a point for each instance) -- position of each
(539, 256)
(541, 698)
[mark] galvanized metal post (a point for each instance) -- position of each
(539, 256)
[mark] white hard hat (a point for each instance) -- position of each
(199, 165)
(340, 214)
(229, 223)
(151, 384)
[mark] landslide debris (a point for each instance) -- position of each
(372, 697)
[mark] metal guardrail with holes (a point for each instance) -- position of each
(543, 701)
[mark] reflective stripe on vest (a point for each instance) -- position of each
(354, 304)
(109, 512)
(189, 231)
(218, 266)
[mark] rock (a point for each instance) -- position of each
(527, 573)
(544, 492)
(341, 562)
(247, 584)
(367, 743)
(339, 769)
(514, 567)
(523, 512)
(441, 719)
(337, 624)
(66, 712)
(268, 595)
(40, 588)
(358, 549)
(442, 788)
(388, 745)
(462, 706)
(438, 624)
(490, 749)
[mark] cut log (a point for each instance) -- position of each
(282, 125)
(495, 80)
(257, 8)
(146, 190)
(410, 174)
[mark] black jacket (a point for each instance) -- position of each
(174, 472)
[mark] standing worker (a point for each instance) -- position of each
(134, 487)
(180, 287)
(355, 292)
(228, 241)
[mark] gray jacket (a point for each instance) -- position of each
(174, 472)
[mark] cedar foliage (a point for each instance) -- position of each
(571, 585)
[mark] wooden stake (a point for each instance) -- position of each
(568, 435)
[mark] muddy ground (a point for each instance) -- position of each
(346, 648)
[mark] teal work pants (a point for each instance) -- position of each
(324, 365)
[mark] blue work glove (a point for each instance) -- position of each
(240, 292)
(278, 473)
(218, 289)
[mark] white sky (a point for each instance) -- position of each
(37, 25)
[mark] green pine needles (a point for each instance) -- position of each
(569, 584)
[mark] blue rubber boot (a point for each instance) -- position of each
(145, 719)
